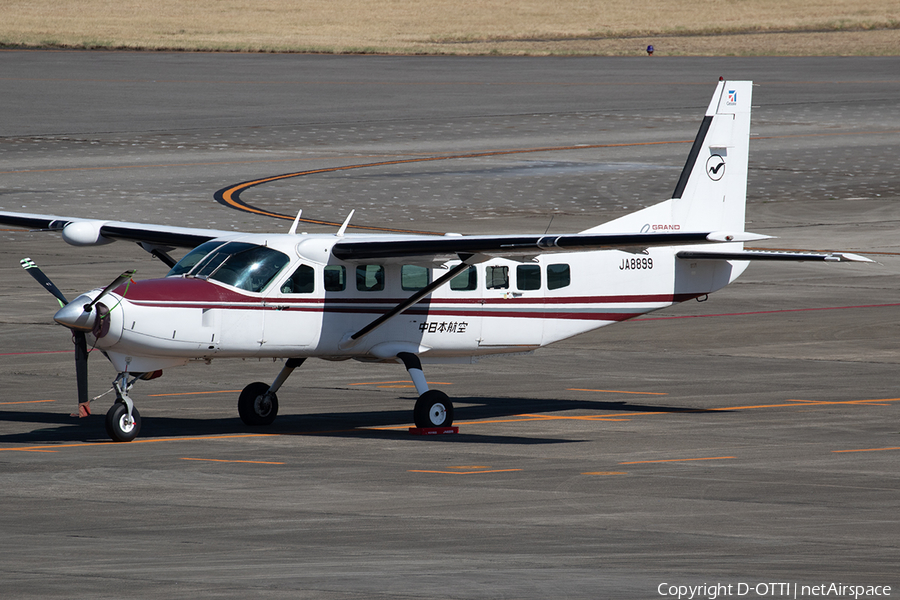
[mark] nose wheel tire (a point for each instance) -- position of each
(433, 409)
(119, 427)
(256, 405)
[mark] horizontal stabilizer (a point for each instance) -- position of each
(765, 255)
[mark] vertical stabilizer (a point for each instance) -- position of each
(711, 193)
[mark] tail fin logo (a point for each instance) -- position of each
(732, 97)
(715, 167)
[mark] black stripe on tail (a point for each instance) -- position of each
(692, 157)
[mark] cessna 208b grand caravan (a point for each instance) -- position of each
(409, 298)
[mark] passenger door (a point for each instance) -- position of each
(513, 308)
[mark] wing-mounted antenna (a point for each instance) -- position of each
(293, 230)
(343, 228)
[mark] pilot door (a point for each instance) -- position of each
(292, 317)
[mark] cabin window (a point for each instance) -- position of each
(303, 281)
(528, 277)
(335, 278)
(496, 278)
(370, 278)
(558, 276)
(465, 281)
(413, 277)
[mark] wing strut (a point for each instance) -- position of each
(411, 300)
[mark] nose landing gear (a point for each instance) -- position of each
(123, 421)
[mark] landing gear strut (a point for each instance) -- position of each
(433, 407)
(258, 403)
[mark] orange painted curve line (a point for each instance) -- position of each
(404, 381)
(866, 450)
(195, 393)
(184, 165)
(230, 196)
(463, 472)
(618, 392)
(137, 441)
(254, 462)
(606, 473)
(877, 402)
(38, 351)
(27, 402)
(768, 312)
(653, 412)
(666, 460)
(575, 418)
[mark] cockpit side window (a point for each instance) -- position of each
(303, 281)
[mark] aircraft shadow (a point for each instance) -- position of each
(61, 428)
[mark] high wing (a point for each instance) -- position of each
(90, 232)
(383, 247)
(439, 249)
(412, 248)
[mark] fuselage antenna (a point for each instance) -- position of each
(343, 228)
(293, 230)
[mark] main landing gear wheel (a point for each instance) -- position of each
(118, 426)
(257, 406)
(433, 409)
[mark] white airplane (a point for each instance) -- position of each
(408, 298)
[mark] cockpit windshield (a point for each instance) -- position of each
(245, 266)
(192, 258)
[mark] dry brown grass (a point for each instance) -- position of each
(616, 27)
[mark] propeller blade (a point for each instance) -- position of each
(35, 271)
(119, 281)
(81, 372)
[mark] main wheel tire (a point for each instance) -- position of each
(257, 406)
(433, 409)
(117, 426)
